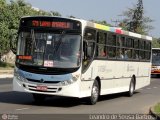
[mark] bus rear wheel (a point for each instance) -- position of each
(94, 93)
(131, 87)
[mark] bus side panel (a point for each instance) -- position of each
(143, 75)
(85, 88)
(115, 76)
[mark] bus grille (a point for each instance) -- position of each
(50, 89)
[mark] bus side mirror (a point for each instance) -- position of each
(13, 44)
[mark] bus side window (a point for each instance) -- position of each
(101, 50)
(120, 53)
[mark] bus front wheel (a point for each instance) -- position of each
(94, 93)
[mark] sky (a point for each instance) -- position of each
(109, 10)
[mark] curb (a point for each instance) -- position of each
(157, 117)
(6, 76)
(6, 73)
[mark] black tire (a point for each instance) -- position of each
(131, 87)
(38, 98)
(94, 93)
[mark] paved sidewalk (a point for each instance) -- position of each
(6, 73)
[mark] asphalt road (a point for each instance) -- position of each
(140, 102)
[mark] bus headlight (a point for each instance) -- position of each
(18, 76)
(72, 80)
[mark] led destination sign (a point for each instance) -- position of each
(48, 22)
(65, 25)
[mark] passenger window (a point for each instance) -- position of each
(120, 41)
(129, 42)
(101, 38)
(101, 51)
(136, 54)
(111, 39)
(120, 53)
(141, 44)
(112, 52)
(136, 42)
(128, 54)
(101, 46)
(147, 55)
(148, 45)
(141, 55)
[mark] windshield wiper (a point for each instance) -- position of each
(33, 38)
(59, 43)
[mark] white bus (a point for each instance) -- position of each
(77, 58)
(155, 62)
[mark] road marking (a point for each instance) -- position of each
(154, 87)
(140, 89)
(148, 88)
(22, 109)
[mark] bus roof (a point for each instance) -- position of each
(105, 28)
(114, 29)
(117, 30)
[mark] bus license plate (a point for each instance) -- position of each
(41, 88)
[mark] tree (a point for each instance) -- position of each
(71, 16)
(55, 13)
(156, 43)
(2, 3)
(3, 29)
(135, 21)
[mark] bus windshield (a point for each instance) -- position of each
(156, 60)
(49, 49)
(156, 57)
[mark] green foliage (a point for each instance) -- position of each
(6, 65)
(157, 108)
(135, 20)
(3, 27)
(55, 13)
(71, 16)
(156, 43)
(10, 14)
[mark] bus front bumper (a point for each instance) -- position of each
(155, 72)
(71, 90)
